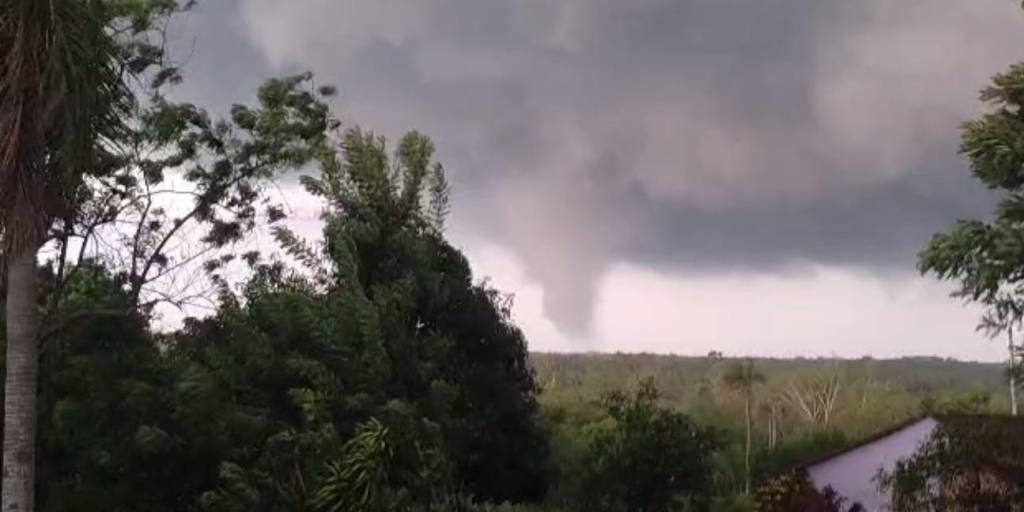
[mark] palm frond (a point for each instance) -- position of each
(63, 99)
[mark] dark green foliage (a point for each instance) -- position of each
(382, 338)
(378, 376)
(385, 468)
(800, 450)
(874, 395)
(970, 463)
(985, 258)
(225, 165)
(107, 440)
(733, 503)
(65, 100)
(645, 458)
(498, 445)
(964, 402)
(103, 411)
(794, 492)
(451, 346)
(275, 385)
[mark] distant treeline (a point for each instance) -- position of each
(592, 373)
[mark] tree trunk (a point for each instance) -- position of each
(20, 391)
(1013, 369)
(746, 455)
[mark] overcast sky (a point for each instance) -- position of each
(676, 176)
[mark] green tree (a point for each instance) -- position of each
(63, 99)
(969, 462)
(977, 401)
(182, 190)
(985, 258)
(378, 350)
(226, 162)
(274, 385)
(84, 154)
(382, 340)
(644, 458)
(107, 438)
(450, 343)
(742, 377)
(794, 491)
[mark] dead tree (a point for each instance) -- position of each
(814, 398)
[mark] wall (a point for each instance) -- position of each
(852, 473)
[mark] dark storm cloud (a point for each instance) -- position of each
(880, 229)
(696, 136)
(221, 66)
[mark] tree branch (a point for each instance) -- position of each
(139, 279)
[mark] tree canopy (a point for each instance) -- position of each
(986, 257)
(375, 375)
(645, 458)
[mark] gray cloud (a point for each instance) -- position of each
(697, 136)
(220, 64)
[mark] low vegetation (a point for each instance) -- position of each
(800, 410)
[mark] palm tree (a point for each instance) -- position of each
(742, 377)
(62, 100)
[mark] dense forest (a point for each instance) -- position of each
(576, 376)
(368, 369)
(863, 395)
(800, 409)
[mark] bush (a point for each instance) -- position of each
(796, 451)
(644, 458)
(794, 492)
(734, 503)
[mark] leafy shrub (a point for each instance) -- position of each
(733, 503)
(797, 450)
(969, 463)
(794, 492)
(645, 457)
